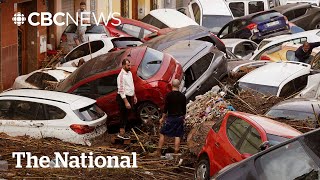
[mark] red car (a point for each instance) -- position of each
(130, 27)
(236, 137)
(152, 71)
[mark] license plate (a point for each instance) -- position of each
(273, 23)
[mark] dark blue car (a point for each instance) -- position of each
(256, 26)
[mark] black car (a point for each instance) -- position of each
(192, 32)
(295, 159)
(256, 26)
(304, 15)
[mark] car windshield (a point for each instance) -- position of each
(90, 113)
(96, 30)
(290, 161)
(290, 114)
(263, 43)
(274, 139)
(215, 22)
(150, 63)
(265, 16)
(267, 90)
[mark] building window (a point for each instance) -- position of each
(93, 9)
(125, 8)
(153, 4)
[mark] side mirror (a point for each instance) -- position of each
(245, 155)
(265, 145)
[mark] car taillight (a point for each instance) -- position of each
(64, 38)
(266, 58)
(82, 129)
(252, 26)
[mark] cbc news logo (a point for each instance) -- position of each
(18, 19)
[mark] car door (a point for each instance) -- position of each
(19, 118)
(227, 142)
(195, 76)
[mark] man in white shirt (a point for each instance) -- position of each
(126, 96)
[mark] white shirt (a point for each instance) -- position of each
(125, 84)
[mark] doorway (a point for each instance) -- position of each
(135, 9)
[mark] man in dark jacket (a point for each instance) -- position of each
(303, 52)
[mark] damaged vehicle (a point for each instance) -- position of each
(193, 32)
(238, 136)
(152, 71)
(297, 158)
(202, 63)
(130, 28)
(256, 26)
(298, 109)
(242, 48)
(282, 79)
(43, 78)
(50, 114)
(92, 49)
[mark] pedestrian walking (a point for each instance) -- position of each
(173, 118)
(81, 28)
(126, 97)
(303, 52)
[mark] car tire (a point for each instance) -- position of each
(202, 171)
(149, 113)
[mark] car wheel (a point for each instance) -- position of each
(203, 169)
(149, 113)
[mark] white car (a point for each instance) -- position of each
(40, 79)
(298, 38)
(93, 32)
(242, 48)
(50, 114)
(168, 18)
(245, 7)
(282, 79)
(212, 14)
(98, 47)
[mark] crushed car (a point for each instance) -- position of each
(242, 48)
(50, 114)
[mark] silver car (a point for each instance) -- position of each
(203, 64)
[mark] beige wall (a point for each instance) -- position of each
(116, 6)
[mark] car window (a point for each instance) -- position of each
(244, 48)
(146, 32)
(300, 12)
(215, 22)
(149, 19)
(289, 15)
(71, 28)
(196, 12)
(300, 82)
(237, 8)
(99, 87)
(237, 25)
(290, 114)
(274, 139)
(131, 30)
(217, 125)
(294, 86)
(266, 16)
(90, 113)
(267, 90)
(189, 77)
(54, 112)
(150, 63)
(123, 43)
(256, 6)
(96, 30)
(6, 109)
(281, 163)
(290, 55)
(84, 50)
(251, 143)
(26, 110)
(224, 31)
(40, 79)
(201, 65)
(236, 128)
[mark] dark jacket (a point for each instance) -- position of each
(304, 56)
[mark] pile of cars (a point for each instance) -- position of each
(199, 46)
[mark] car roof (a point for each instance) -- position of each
(75, 101)
(293, 36)
(234, 41)
(184, 51)
(58, 73)
(137, 23)
(166, 16)
(216, 7)
(273, 127)
(291, 6)
(273, 74)
(299, 104)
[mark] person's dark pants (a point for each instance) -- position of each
(173, 126)
(124, 112)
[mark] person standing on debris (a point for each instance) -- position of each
(303, 52)
(126, 97)
(173, 117)
(81, 29)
